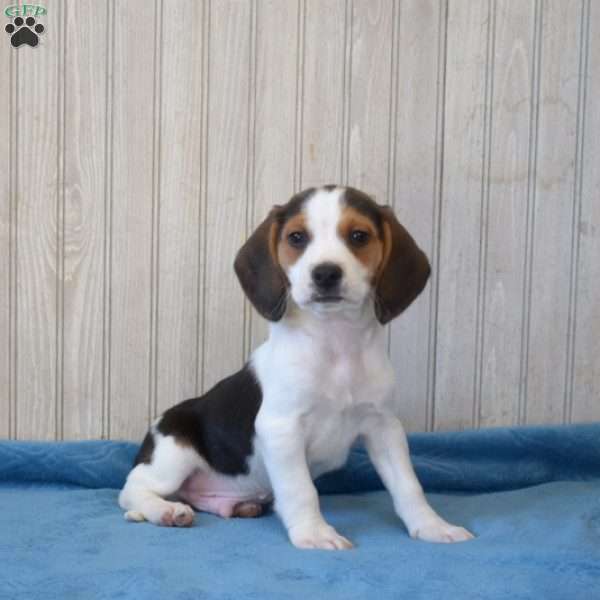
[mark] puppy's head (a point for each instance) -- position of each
(331, 249)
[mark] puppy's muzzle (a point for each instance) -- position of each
(326, 279)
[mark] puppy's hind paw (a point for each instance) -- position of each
(247, 510)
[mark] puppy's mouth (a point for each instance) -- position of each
(326, 299)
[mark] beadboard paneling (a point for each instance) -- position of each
(230, 73)
(180, 217)
(133, 201)
(324, 68)
(84, 216)
(553, 227)
(584, 390)
(7, 94)
(505, 213)
(416, 136)
(38, 214)
(463, 184)
(131, 173)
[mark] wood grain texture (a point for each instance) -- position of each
(37, 262)
(7, 74)
(180, 194)
(131, 173)
(227, 192)
(369, 37)
(414, 185)
(276, 94)
(84, 215)
(506, 218)
(323, 92)
(553, 213)
(586, 377)
(132, 220)
(464, 143)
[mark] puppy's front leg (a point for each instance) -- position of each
(388, 449)
(296, 500)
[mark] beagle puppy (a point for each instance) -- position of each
(328, 270)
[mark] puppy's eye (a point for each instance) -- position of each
(297, 239)
(359, 237)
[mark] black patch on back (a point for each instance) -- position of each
(145, 452)
(220, 424)
(365, 205)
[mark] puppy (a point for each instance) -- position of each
(328, 270)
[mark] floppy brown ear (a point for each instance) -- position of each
(404, 269)
(258, 270)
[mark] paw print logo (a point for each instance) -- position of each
(24, 32)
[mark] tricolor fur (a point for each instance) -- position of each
(328, 270)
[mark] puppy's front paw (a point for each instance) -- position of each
(437, 530)
(322, 536)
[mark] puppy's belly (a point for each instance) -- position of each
(222, 495)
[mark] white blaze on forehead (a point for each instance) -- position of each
(323, 211)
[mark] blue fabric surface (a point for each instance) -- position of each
(531, 495)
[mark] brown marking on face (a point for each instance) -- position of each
(287, 254)
(370, 254)
(257, 262)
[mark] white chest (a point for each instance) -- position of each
(329, 385)
(347, 389)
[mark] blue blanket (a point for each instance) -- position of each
(531, 495)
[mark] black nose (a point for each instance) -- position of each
(326, 275)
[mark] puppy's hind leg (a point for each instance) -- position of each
(147, 485)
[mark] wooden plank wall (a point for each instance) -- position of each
(141, 142)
